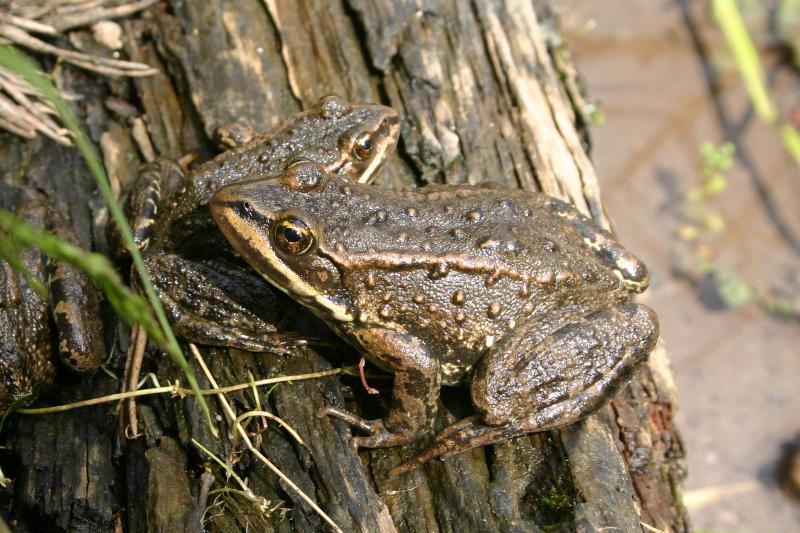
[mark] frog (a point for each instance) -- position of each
(209, 296)
(67, 311)
(514, 293)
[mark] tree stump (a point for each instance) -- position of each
(486, 91)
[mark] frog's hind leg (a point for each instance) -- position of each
(468, 433)
(527, 384)
(75, 302)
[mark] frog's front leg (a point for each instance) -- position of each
(528, 384)
(216, 303)
(145, 198)
(414, 397)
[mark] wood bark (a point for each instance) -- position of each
(486, 92)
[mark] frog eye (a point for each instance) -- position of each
(293, 236)
(363, 146)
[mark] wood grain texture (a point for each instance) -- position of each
(482, 97)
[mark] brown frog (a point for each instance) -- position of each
(209, 297)
(70, 309)
(515, 292)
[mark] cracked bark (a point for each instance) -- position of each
(484, 95)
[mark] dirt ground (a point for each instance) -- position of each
(737, 369)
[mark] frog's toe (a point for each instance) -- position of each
(378, 435)
(459, 425)
(232, 135)
(367, 426)
(459, 437)
(381, 438)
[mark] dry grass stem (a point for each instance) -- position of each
(54, 16)
(102, 65)
(177, 390)
(281, 422)
(255, 451)
(22, 110)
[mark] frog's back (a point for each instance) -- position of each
(487, 233)
(461, 266)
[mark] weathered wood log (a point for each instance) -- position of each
(484, 94)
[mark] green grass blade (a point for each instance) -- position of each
(20, 64)
(130, 306)
(744, 52)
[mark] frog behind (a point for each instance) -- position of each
(513, 291)
(209, 296)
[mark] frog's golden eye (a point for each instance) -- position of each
(293, 236)
(363, 146)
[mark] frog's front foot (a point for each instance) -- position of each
(379, 435)
(216, 303)
(233, 135)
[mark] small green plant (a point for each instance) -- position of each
(701, 218)
(702, 223)
(21, 65)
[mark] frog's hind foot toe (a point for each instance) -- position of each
(459, 437)
(378, 435)
(347, 417)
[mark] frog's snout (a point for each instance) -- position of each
(391, 123)
(228, 207)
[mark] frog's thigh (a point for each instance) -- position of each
(75, 304)
(216, 304)
(416, 380)
(569, 373)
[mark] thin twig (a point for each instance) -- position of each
(133, 368)
(103, 65)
